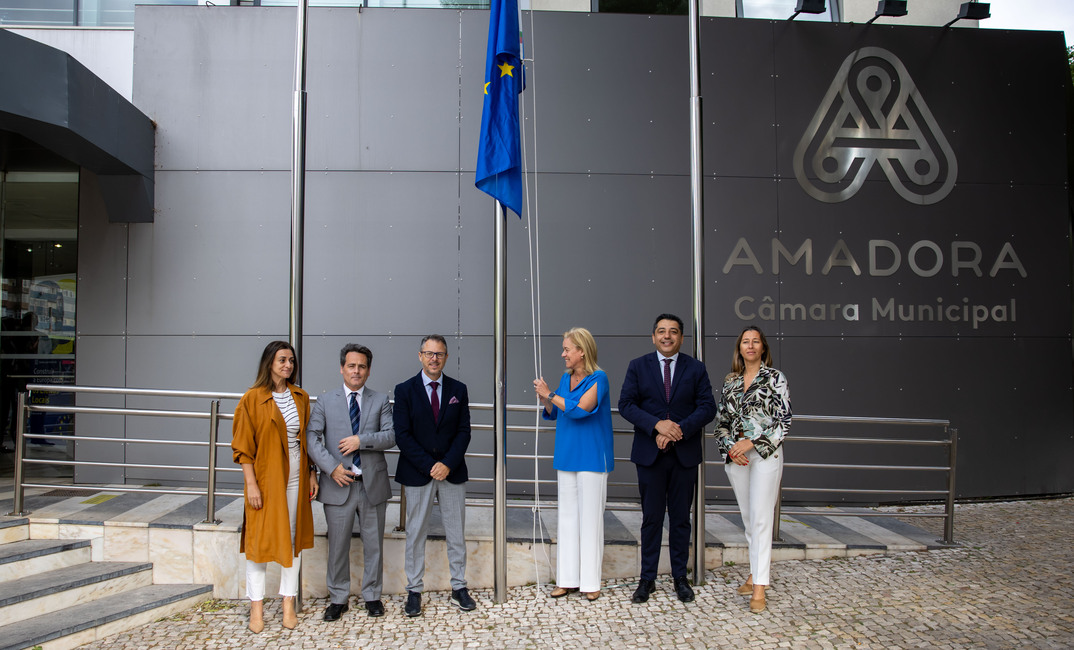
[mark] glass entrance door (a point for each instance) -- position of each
(38, 261)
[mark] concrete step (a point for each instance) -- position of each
(59, 589)
(32, 556)
(92, 621)
(14, 530)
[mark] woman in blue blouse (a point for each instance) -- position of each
(751, 421)
(583, 459)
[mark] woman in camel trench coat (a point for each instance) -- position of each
(269, 441)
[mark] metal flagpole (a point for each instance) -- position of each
(298, 182)
(298, 203)
(697, 216)
(499, 501)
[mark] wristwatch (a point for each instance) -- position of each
(551, 394)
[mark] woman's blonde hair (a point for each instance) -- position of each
(581, 337)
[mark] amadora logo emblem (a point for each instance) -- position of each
(873, 113)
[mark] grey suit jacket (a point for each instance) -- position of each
(330, 422)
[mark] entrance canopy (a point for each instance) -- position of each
(52, 99)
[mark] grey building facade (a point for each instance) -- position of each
(854, 288)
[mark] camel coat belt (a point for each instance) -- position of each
(259, 437)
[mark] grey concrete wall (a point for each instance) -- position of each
(399, 243)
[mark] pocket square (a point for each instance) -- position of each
(453, 400)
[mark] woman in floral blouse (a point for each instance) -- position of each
(751, 421)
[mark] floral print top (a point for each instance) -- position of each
(762, 413)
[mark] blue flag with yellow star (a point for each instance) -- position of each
(499, 151)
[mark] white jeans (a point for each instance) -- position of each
(756, 487)
(580, 544)
(255, 571)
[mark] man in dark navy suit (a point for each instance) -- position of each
(667, 396)
(432, 431)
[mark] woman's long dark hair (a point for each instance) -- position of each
(264, 369)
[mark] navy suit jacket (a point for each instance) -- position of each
(424, 442)
(642, 403)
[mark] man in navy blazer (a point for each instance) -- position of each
(432, 431)
(667, 396)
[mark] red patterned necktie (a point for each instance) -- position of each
(667, 379)
(435, 399)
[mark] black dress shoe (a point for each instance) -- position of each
(334, 611)
(413, 604)
(461, 597)
(374, 607)
(645, 588)
(683, 590)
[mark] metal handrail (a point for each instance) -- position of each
(214, 416)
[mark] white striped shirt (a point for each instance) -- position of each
(286, 403)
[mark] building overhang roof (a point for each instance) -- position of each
(52, 99)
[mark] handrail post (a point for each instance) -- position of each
(949, 507)
(20, 452)
(210, 490)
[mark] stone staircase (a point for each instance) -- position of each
(53, 595)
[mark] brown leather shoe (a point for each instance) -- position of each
(560, 592)
(592, 595)
(290, 618)
(257, 616)
(746, 589)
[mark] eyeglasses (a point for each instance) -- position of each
(433, 355)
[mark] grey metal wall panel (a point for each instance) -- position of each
(407, 116)
(973, 382)
(610, 250)
(738, 98)
(474, 29)
(102, 265)
(189, 277)
(399, 234)
(738, 208)
(101, 362)
(211, 363)
(477, 219)
(217, 82)
(616, 99)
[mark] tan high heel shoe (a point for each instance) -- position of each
(257, 616)
(746, 589)
(758, 605)
(290, 618)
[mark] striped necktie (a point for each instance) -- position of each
(356, 418)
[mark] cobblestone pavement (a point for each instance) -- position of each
(1009, 584)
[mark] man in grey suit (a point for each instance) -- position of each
(349, 429)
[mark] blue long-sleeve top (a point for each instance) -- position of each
(583, 438)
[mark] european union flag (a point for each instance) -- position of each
(499, 152)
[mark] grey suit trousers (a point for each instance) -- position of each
(340, 521)
(419, 502)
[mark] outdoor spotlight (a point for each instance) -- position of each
(808, 7)
(971, 11)
(892, 8)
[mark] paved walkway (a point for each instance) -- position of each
(1010, 584)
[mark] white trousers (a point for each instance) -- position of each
(756, 487)
(580, 545)
(255, 571)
